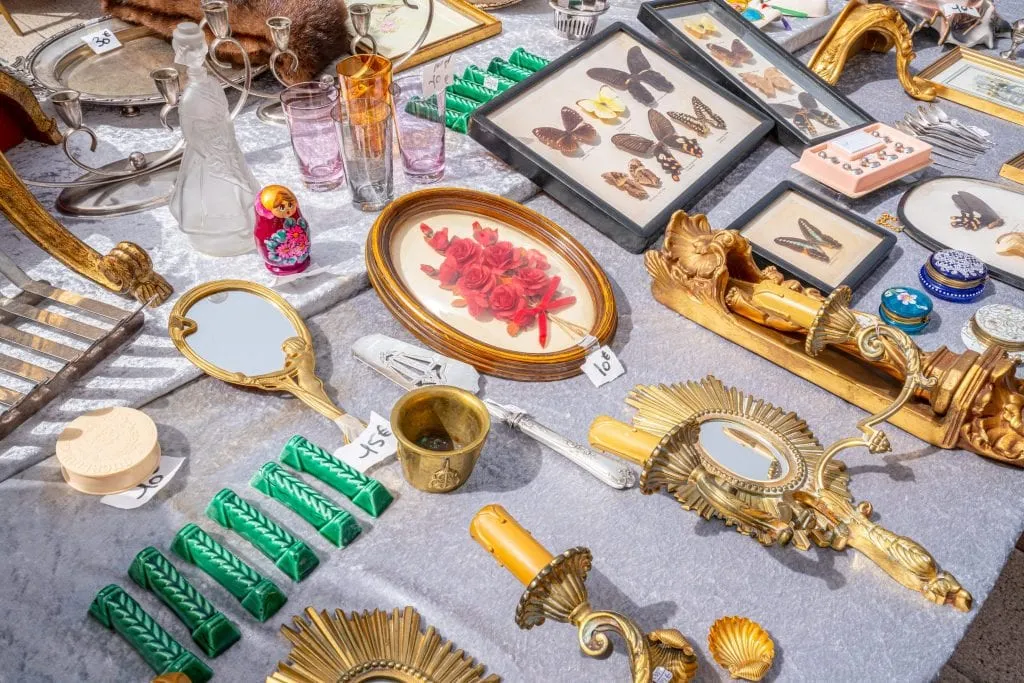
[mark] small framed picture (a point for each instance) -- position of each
(987, 84)
(812, 239)
(621, 133)
(714, 36)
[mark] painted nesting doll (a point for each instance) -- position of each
(282, 234)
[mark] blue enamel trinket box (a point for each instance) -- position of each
(905, 308)
(954, 275)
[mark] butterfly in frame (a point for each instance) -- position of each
(700, 28)
(768, 82)
(733, 56)
(975, 214)
(567, 139)
(806, 113)
(813, 244)
(665, 140)
(634, 182)
(701, 121)
(607, 106)
(636, 80)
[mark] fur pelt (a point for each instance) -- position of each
(318, 36)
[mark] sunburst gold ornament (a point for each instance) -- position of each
(358, 648)
(742, 647)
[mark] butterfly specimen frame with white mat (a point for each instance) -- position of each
(813, 239)
(620, 132)
(742, 58)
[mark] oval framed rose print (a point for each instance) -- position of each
(490, 282)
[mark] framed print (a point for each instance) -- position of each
(456, 24)
(621, 133)
(981, 217)
(486, 280)
(812, 239)
(990, 85)
(738, 55)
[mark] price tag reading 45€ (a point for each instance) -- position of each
(102, 41)
(602, 366)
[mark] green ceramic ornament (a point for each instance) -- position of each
(365, 492)
(527, 60)
(502, 68)
(259, 596)
(458, 122)
(475, 74)
(117, 610)
(211, 630)
(292, 556)
(474, 92)
(456, 102)
(333, 523)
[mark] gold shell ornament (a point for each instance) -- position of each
(742, 647)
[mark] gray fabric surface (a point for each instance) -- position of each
(834, 616)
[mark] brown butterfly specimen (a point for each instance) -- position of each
(806, 113)
(665, 140)
(768, 82)
(975, 214)
(567, 139)
(642, 174)
(701, 121)
(633, 183)
(738, 54)
(813, 244)
(636, 80)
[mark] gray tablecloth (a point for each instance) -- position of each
(834, 616)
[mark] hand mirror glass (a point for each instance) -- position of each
(246, 334)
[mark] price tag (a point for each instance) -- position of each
(951, 8)
(491, 81)
(141, 494)
(980, 131)
(661, 675)
(102, 41)
(373, 445)
(602, 366)
(437, 76)
(855, 142)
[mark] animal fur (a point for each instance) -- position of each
(318, 36)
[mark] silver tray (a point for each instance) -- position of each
(117, 79)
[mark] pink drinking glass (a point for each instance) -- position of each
(420, 135)
(309, 108)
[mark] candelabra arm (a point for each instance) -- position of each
(422, 37)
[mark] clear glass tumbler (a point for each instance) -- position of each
(366, 130)
(420, 134)
(309, 108)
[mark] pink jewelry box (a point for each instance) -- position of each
(864, 160)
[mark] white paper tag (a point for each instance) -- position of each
(102, 41)
(855, 142)
(374, 444)
(491, 81)
(141, 494)
(437, 76)
(602, 366)
(980, 131)
(951, 8)
(661, 675)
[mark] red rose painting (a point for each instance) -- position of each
(495, 280)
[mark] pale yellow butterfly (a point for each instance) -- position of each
(606, 106)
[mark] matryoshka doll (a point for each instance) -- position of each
(282, 234)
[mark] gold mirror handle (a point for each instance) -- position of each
(767, 528)
(618, 438)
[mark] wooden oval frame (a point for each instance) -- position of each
(444, 338)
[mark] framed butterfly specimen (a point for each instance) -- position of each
(642, 133)
(747, 61)
(813, 239)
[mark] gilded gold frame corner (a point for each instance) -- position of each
(1014, 169)
(1001, 66)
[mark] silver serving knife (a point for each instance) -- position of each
(411, 367)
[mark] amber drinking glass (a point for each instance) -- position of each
(365, 76)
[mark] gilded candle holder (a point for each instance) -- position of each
(439, 413)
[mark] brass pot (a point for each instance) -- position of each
(439, 416)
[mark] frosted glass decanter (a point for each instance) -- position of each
(214, 191)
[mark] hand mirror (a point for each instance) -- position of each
(246, 334)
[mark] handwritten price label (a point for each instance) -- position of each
(144, 492)
(603, 366)
(952, 8)
(374, 444)
(661, 675)
(102, 42)
(437, 77)
(491, 81)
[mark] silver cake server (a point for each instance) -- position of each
(411, 367)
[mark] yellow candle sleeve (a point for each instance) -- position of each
(618, 438)
(796, 307)
(512, 545)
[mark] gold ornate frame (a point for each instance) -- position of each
(444, 338)
(1014, 169)
(297, 377)
(487, 26)
(358, 648)
(1001, 66)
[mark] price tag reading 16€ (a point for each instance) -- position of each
(602, 366)
(102, 41)
(437, 76)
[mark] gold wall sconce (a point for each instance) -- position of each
(556, 589)
(869, 27)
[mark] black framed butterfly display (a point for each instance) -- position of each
(621, 132)
(813, 239)
(745, 60)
